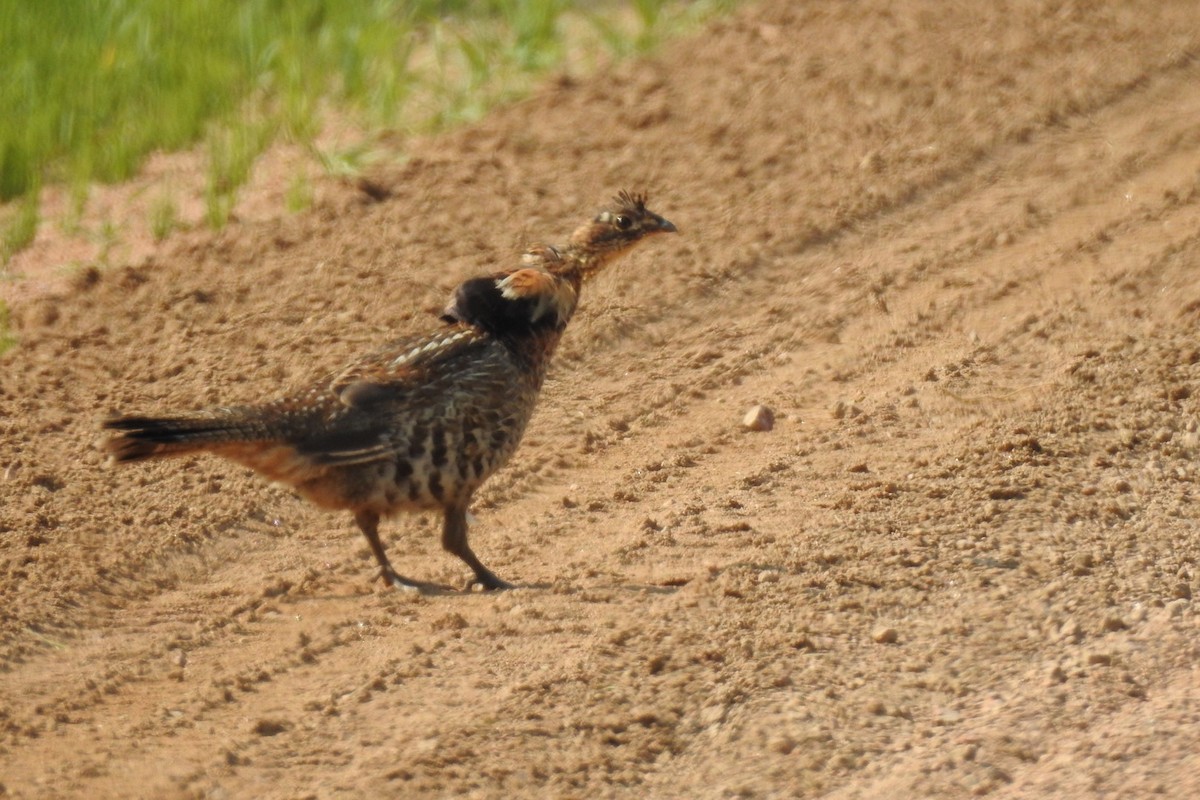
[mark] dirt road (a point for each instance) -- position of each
(955, 247)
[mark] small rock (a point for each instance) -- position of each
(1114, 624)
(885, 635)
(783, 744)
(759, 418)
(1099, 659)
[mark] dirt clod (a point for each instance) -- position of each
(270, 727)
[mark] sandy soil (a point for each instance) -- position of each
(953, 246)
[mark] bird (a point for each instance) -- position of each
(422, 422)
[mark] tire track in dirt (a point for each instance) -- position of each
(1077, 106)
(718, 602)
(618, 727)
(715, 379)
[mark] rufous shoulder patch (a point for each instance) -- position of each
(547, 293)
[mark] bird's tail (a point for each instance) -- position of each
(141, 438)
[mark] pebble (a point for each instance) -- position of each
(759, 418)
(783, 744)
(885, 635)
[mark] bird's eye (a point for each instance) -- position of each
(623, 222)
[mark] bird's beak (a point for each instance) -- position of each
(666, 226)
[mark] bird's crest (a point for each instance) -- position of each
(630, 202)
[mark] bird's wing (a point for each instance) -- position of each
(408, 367)
(409, 376)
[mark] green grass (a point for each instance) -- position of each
(164, 216)
(299, 193)
(92, 88)
(232, 150)
(18, 226)
(7, 337)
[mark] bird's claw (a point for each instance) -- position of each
(489, 583)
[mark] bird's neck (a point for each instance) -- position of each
(580, 258)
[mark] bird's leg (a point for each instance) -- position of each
(454, 540)
(368, 523)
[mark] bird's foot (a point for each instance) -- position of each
(488, 582)
(404, 584)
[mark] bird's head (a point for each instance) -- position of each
(544, 291)
(618, 227)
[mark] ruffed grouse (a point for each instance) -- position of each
(422, 422)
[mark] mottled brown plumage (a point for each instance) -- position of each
(422, 422)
